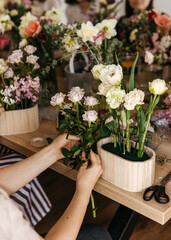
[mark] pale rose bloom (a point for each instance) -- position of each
(115, 96)
(32, 59)
(55, 14)
(70, 44)
(87, 32)
(9, 73)
(36, 66)
(15, 57)
(23, 43)
(13, 12)
(30, 49)
(3, 66)
(90, 101)
(111, 74)
(133, 98)
(96, 71)
(157, 86)
(165, 43)
(76, 94)
(133, 35)
(109, 119)
(90, 116)
(163, 20)
(57, 99)
(104, 88)
(108, 27)
(149, 57)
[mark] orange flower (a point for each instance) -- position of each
(33, 29)
(163, 21)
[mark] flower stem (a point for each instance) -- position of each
(93, 205)
(128, 146)
(94, 56)
(3, 79)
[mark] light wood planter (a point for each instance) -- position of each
(19, 121)
(128, 175)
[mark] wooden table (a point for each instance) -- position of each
(160, 213)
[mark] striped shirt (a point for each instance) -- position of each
(31, 199)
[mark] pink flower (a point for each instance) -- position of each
(90, 116)
(90, 101)
(163, 21)
(9, 73)
(34, 98)
(30, 49)
(167, 100)
(99, 38)
(160, 113)
(33, 29)
(15, 57)
(32, 59)
(133, 19)
(3, 42)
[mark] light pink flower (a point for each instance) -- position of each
(36, 66)
(9, 73)
(76, 94)
(133, 98)
(108, 120)
(167, 100)
(57, 99)
(90, 116)
(32, 59)
(34, 99)
(15, 57)
(30, 49)
(27, 3)
(90, 101)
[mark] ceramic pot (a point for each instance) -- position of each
(133, 176)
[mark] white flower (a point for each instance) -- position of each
(114, 97)
(70, 44)
(55, 14)
(157, 86)
(96, 70)
(5, 23)
(3, 66)
(57, 99)
(109, 119)
(15, 57)
(149, 57)
(111, 74)
(104, 88)
(133, 98)
(9, 73)
(165, 43)
(30, 49)
(90, 101)
(76, 94)
(32, 59)
(14, 12)
(23, 43)
(108, 27)
(133, 35)
(87, 32)
(90, 116)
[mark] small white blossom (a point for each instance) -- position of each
(157, 86)
(108, 27)
(90, 101)
(55, 14)
(90, 116)
(76, 94)
(68, 106)
(57, 99)
(13, 12)
(87, 32)
(165, 43)
(115, 96)
(96, 70)
(149, 57)
(111, 74)
(70, 43)
(133, 98)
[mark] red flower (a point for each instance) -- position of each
(55, 35)
(3, 42)
(152, 15)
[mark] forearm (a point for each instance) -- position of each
(15, 176)
(69, 224)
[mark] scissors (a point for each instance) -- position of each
(158, 191)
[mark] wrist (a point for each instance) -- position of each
(83, 196)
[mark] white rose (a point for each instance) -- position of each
(157, 86)
(23, 43)
(149, 57)
(104, 88)
(57, 99)
(90, 101)
(76, 94)
(108, 27)
(111, 74)
(133, 98)
(115, 96)
(96, 70)
(87, 32)
(90, 116)
(165, 43)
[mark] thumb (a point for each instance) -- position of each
(84, 165)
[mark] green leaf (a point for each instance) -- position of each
(149, 105)
(104, 132)
(156, 102)
(131, 79)
(74, 148)
(77, 153)
(65, 161)
(66, 152)
(63, 125)
(110, 126)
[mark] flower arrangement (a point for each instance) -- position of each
(20, 82)
(146, 31)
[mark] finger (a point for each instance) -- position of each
(94, 158)
(84, 165)
(73, 137)
(1, 110)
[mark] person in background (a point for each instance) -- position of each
(141, 5)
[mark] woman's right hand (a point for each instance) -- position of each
(88, 175)
(1, 109)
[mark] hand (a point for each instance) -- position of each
(88, 175)
(61, 141)
(1, 109)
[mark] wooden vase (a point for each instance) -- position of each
(133, 176)
(19, 121)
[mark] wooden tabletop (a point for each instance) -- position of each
(160, 213)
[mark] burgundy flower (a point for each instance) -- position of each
(3, 42)
(42, 37)
(151, 15)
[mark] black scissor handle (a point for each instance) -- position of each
(153, 190)
(161, 196)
